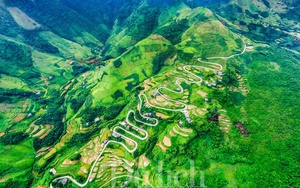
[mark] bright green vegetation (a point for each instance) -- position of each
(138, 67)
(71, 71)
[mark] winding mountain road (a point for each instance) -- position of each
(155, 120)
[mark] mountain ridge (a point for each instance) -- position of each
(71, 72)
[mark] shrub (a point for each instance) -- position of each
(113, 111)
(12, 138)
(118, 94)
(117, 63)
(51, 138)
(160, 59)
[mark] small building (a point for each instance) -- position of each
(209, 85)
(71, 62)
(148, 114)
(184, 111)
(53, 171)
(220, 73)
(105, 141)
(147, 105)
(116, 135)
(154, 94)
(180, 122)
(87, 123)
(188, 118)
(97, 119)
(123, 123)
(84, 85)
(206, 82)
(29, 115)
(206, 99)
(63, 181)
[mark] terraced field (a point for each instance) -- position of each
(103, 159)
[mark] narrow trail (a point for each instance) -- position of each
(155, 121)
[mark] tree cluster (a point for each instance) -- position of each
(13, 138)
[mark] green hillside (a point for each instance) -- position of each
(141, 93)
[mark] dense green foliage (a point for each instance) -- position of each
(55, 92)
(16, 61)
(142, 22)
(149, 146)
(12, 138)
(174, 31)
(79, 69)
(53, 137)
(91, 113)
(32, 38)
(118, 94)
(13, 95)
(81, 138)
(113, 111)
(118, 63)
(160, 59)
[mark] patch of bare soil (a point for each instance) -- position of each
(171, 133)
(18, 117)
(34, 129)
(68, 162)
(157, 37)
(186, 130)
(146, 161)
(3, 179)
(39, 133)
(161, 115)
(191, 107)
(202, 93)
(214, 118)
(48, 127)
(161, 146)
(84, 170)
(175, 130)
(242, 128)
(167, 141)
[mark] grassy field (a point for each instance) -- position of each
(50, 67)
(22, 19)
(20, 157)
(67, 48)
(9, 82)
(209, 39)
(136, 66)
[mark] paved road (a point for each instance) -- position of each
(154, 120)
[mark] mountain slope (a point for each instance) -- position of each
(72, 73)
